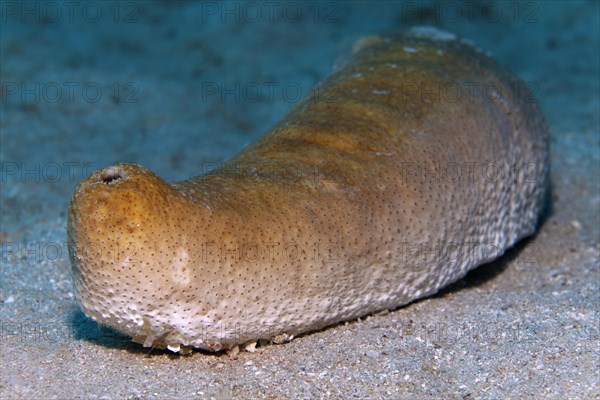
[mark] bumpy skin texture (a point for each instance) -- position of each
(372, 193)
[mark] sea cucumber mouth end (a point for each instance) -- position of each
(123, 175)
(112, 174)
(116, 174)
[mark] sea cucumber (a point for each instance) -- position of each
(418, 160)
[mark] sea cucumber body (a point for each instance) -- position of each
(416, 162)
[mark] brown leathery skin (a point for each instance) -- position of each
(324, 219)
